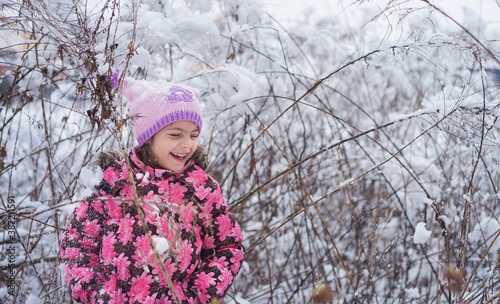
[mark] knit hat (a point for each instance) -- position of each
(154, 105)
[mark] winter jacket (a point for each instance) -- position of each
(106, 252)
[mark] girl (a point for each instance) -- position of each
(111, 256)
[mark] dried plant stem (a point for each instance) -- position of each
(314, 87)
(466, 214)
(477, 266)
(487, 50)
(137, 203)
(315, 208)
(492, 298)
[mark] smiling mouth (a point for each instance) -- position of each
(180, 157)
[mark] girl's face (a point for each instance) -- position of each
(173, 145)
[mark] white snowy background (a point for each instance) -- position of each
(357, 142)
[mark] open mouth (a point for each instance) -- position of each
(179, 156)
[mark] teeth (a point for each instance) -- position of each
(179, 155)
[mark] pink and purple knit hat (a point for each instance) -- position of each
(154, 105)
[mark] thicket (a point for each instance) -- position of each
(331, 139)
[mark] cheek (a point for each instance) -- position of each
(159, 150)
(164, 145)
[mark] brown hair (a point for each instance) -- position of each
(199, 156)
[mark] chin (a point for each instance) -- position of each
(176, 168)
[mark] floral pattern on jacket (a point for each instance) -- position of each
(108, 257)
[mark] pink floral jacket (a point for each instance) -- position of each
(108, 257)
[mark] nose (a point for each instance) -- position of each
(186, 143)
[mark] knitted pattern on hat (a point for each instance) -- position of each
(154, 105)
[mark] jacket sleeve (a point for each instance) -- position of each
(222, 251)
(80, 246)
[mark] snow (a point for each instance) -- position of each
(486, 231)
(142, 57)
(424, 81)
(89, 178)
(146, 177)
(103, 66)
(412, 293)
(421, 235)
(346, 182)
(391, 230)
(445, 220)
(32, 299)
(22, 232)
(161, 244)
(67, 208)
(238, 299)
(253, 226)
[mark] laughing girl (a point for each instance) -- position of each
(189, 240)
